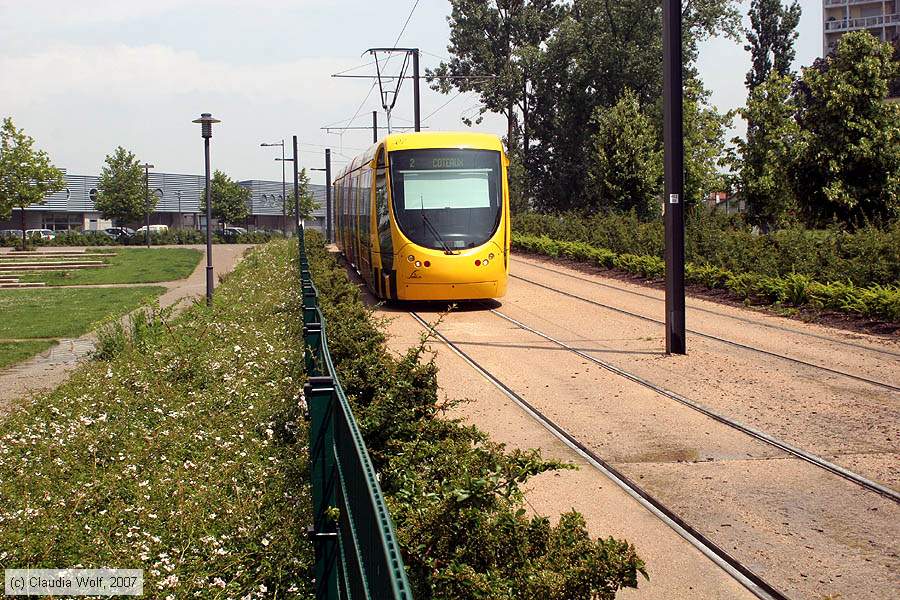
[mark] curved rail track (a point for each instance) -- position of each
(708, 336)
(717, 313)
(740, 572)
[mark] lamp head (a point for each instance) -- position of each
(206, 120)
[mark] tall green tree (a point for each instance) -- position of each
(704, 143)
(307, 200)
(627, 169)
(230, 200)
(767, 153)
(598, 50)
(498, 39)
(770, 39)
(26, 174)
(848, 161)
(121, 192)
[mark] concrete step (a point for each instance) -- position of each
(44, 266)
(36, 284)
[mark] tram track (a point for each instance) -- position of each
(755, 323)
(757, 434)
(711, 337)
(740, 572)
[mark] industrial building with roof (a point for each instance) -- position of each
(177, 205)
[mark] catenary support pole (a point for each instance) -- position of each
(674, 176)
(374, 126)
(296, 188)
(328, 195)
(283, 193)
(147, 168)
(417, 109)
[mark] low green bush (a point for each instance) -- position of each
(455, 497)
(864, 257)
(794, 289)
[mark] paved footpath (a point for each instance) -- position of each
(49, 369)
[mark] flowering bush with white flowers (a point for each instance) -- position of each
(179, 450)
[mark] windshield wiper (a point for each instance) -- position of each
(434, 231)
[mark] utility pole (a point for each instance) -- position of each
(328, 194)
(283, 187)
(417, 109)
(147, 167)
(674, 175)
(296, 188)
(374, 126)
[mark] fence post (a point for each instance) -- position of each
(312, 337)
(320, 398)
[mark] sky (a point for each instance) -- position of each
(84, 77)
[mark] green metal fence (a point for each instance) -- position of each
(357, 555)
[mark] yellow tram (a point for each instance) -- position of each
(425, 216)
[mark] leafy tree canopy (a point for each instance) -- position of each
(848, 163)
(767, 154)
(230, 200)
(121, 191)
(773, 30)
(627, 169)
(307, 201)
(26, 174)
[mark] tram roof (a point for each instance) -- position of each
(425, 139)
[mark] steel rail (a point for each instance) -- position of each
(717, 313)
(809, 457)
(874, 382)
(731, 565)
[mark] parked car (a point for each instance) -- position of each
(44, 234)
(119, 233)
(153, 229)
(231, 233)
(10, 233)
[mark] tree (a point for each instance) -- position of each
(773, 30)
(230, 200)
(766, 155)
(498, 39)
(307, 200)
(121, 192)
(704, 143)
(627, 169)
(26, 175)
(599, 49)
(848, 160)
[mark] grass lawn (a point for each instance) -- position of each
(54, 313)
(128, 265)
(13, 352)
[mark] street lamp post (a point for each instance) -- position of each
(283, 188)
(206, 121)
(296, 162)
(147, 167)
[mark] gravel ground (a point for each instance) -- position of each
(810, 533)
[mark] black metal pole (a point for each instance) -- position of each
(328, 194)
(283, 194)
(417, 113)
(374, 126)
(209, 264)
(296, 188)
(147, 201)
(674, 175)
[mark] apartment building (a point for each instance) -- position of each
(881, 18)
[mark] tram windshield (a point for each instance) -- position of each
(447, 199)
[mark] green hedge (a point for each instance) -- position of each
(795, 289)
(865, 257)
(455, 497)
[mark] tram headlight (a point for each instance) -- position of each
(491, 256)
(484, 263)
(410, 258)
(418, 264)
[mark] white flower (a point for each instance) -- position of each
(265, 542)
